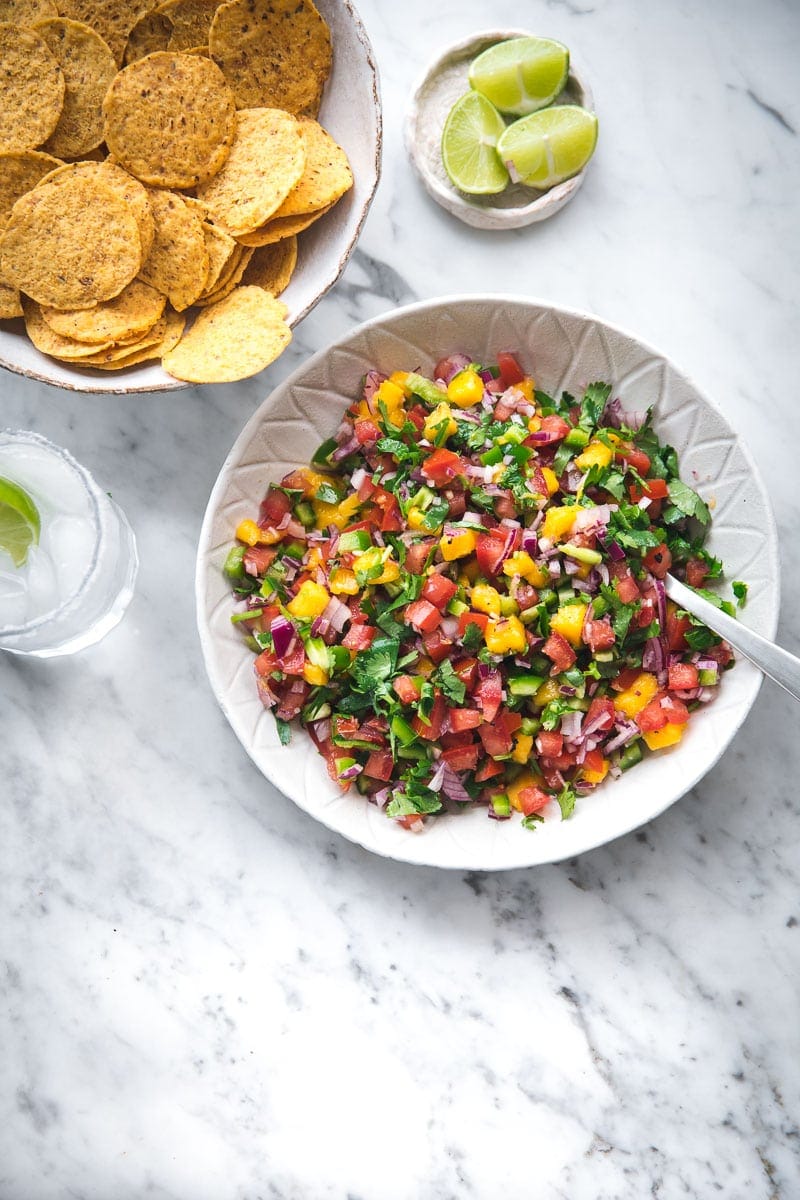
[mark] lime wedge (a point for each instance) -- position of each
(20, 523)
(548, 147)
(521, 75)
(469, 141)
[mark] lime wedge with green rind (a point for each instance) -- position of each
(550, 146)
(469, 146)
(521, 75)
(20, 523)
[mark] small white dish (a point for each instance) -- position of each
(444, 81)
(565, 350)
(351, 112)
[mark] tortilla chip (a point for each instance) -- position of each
(274, 53)
(117, 350)
(71, 242)
(130, 191)
(10, 302)
(48, 341)
(190, 20)
(88, 67)
(226, 285)
(232, 340)
(170, 119)
(175, 324)
(26, 12)
(271, 267)
(177, 265)
(150, 33)
(32, 89)
(281, 227)
(265, 162)
(131, 314)
(21, 170)
(112, 19)
(220, 247)
(326, 175)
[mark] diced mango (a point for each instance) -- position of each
(399, 379)
(314, 675)
(310, 601)
(568, 621)
(465, 389)
(432, 429)
(638, 695)
(596, 454)
(459, 545)
(596, 776)
(523, 745)
(526, 386)
(547, 692)
(340, 514)
(551, 479)
(343, 582)
(505, 635)
(486, 599)
(249, 533)
(669, 735)
(559, 521)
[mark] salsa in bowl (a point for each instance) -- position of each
(459, 602)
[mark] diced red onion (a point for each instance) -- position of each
(437, 779)
(530, 541)
(704, 694)
(653, 656)
(283, 634)
(337, 613)
(351, 772)
(320, 730)
(453, 787)
(372, 382)
(510, 523)
(554, 568)
(571, 567)
(615, 552)
(449, 627)
(447, 368)
(265, 693)
(358, 477)
(381, 798)
(571, 725)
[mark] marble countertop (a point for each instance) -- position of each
(207, 996)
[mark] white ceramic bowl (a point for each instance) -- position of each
(444, 80)
(564, 349)
(351, 112)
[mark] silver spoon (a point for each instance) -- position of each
(775, 662)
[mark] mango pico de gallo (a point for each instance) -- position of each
(461, 599)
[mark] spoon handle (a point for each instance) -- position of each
(775, 662)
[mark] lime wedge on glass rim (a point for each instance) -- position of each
(522, 75)
(20, 523)
(469, 146)
(550, 146)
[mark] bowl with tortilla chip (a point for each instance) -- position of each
(126, 237)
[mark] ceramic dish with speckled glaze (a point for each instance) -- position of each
(564, 350)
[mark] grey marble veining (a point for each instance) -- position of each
(205, 995)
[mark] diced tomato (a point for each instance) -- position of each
(439, 590)
(527, 596)
(392, 519)
(601, 714)
(696, 572)
(367, 432)
(456, 504)
(683, 677)
(422, 615)
(489, 694)
(258, 558)
(274, 507)
(625, 679)
(504, 507)
(561, 762)
(652, 716)
(462, 758)
(462, 719)
(488, 770)
(433, 730)
(502, 410)
(411, 821)
(721, 653)
(676, 711)
(653, 489)
(490, 551)
(626, 586)
(496, 741)
(555, 426)
(552, 776)
(598, 635)
(558, 649)
(472, 618)
(593, 760)
(442, 466)
(646, 613)
(633, 457)
(379, 765)
(417, 415)
(266, 663)
(417, 556)
(467, 671)
(374, 731)
(465, 737)
(293, 700)
(359, 637)
(510, 370)
(437, 646)
(676, 631)
(357, 613)
(658, 560)
(550, 743)
(532, 800)
(293, 662)
(343, 729)
(406, 689)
